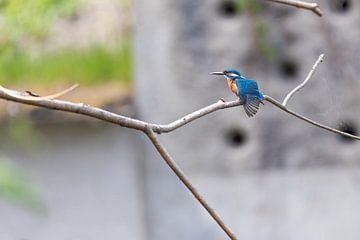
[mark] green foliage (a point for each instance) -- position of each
(251, 6)
(33, 17)
(16, 188)
(266, 48)
(21, 132)
(24, 19)
(264, 44)
(88, 66)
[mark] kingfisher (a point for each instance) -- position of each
(246, 89)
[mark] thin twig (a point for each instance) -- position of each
(31, 96)
(282, 107)
(301, 4)
(184, 179)
(300, 86)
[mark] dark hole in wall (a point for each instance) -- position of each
(288, 68)
(236, 137)
(340, 6)
(348, 127)
(228, 8)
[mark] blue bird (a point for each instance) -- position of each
(246, 89)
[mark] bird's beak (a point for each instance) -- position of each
(217, 73)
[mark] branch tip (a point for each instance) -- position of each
(302, 85)
(314, 7)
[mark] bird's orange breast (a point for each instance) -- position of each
(232, 86)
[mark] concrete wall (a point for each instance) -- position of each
(272, 176)
(90, 179)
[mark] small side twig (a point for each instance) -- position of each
(35, 97)
(314, 7)
(300, 86)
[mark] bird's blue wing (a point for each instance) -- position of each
(250, 95)
(249, 87)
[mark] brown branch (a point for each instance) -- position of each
(184, 179)
(285, 109)
(301, 4)
(79, 108)
(127, 122)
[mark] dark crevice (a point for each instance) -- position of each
(236, 137)
(288, 68)
(340, 6)
(228, 8)
(348, 127)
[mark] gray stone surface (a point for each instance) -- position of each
(287, 179)
(90, 180)
(310, 204)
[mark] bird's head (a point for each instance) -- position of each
(229, 74)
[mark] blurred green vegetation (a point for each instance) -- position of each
(265, 46)
(261, 34)
(87, 66)
(23, 19)
(17, 189)
(20, 132)
(251, 6)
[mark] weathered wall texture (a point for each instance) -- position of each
(90, 179)
(272, 176)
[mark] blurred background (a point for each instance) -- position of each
(64, 176)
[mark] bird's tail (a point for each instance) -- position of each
(251, 105)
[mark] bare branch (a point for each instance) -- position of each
(282, 107)
(184, 179)
(148, 128)
(221, 104)
(301, 4)
(84, 109)
(123, 121)
(300, 86)
(78, 108)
